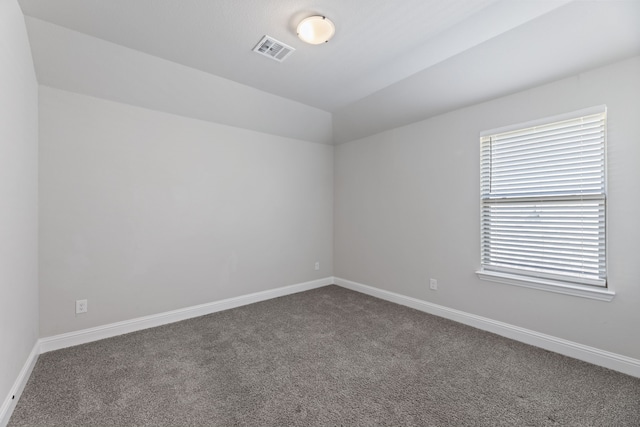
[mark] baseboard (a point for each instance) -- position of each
(84, 336)
(16, 390)
(617, 362)
(593, 355)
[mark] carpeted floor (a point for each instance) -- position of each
(326, 357)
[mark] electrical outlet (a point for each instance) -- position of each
(433, 284)
(317, 265)
(81, 306)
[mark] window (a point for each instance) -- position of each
(543, 204)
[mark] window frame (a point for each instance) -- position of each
(540, 280)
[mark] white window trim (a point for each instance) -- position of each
(591, 292)
(544, 284)
(539, 122)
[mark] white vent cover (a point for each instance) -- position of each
(273, 49)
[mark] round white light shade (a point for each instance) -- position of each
(316, 29)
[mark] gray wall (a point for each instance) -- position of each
(143, 212)
(18, 197)
(407, 209)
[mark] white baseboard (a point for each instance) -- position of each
(16, 390)
(593, 355)
(617, 362)
(84, 336)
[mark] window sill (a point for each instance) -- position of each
(601, 294)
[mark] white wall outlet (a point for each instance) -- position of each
(81, 306)
(317, 265)
(433, 284)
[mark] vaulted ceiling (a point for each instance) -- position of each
(389, 63)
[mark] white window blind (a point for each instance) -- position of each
(543, 196)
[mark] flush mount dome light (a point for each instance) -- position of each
(316, 29)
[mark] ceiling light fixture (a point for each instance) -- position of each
(316, 29)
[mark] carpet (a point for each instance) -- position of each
(325, 357)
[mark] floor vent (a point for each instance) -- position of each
(273, 49)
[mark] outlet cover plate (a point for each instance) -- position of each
(81, 306)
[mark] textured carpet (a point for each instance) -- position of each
(328, 356)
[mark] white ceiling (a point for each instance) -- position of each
(383, 50)
(217, 37)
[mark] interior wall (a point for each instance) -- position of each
(18, 196)
(407, 209)
(143, 212)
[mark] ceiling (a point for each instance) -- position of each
(380, 46)
(218, 37)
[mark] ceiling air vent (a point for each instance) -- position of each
(273, 49)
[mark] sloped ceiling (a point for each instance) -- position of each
(574, 38)
(389, 64)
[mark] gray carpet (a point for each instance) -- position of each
(330, 357)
